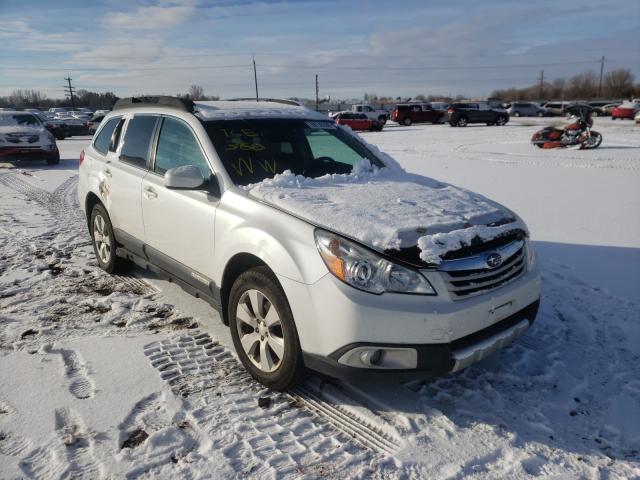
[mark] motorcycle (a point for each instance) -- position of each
(577, 134)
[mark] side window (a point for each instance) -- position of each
(416, 108)
(102, 141)
(115, 138)
(177, 146)
(323, 144)
(137, 140)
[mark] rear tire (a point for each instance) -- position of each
(407, 122)
(263, 329)
(462, 122)
(104, 241)
(540, 114)
(55, 160)
(516, 114)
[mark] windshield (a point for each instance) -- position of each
(254, 150)
(18, 119)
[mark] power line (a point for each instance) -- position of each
(298, 66)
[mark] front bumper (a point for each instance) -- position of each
(18, 153)
(432, 359)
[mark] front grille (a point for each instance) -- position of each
(470, 276)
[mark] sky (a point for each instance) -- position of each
(391, 48)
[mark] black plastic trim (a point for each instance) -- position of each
(166, 267)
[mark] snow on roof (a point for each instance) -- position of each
(244, 109)
(389, 208)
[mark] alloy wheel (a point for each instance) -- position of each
(260, 330)
(101, 239)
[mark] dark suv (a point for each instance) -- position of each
(461, 114)
(408, 113)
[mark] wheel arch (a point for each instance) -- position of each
(236, 266)
(91, 201)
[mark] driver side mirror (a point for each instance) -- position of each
(187, 177)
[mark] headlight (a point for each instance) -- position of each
(366, 270)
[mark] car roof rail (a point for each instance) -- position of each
(183, 104)
(275, 100)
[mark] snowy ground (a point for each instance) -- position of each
(129, 377)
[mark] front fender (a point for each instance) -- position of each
(283, 242)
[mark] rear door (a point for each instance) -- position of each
(179, 224)
(125, 167)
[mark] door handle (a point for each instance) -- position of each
(107, 172)
(149, 192)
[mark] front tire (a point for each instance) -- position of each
(104, 241)
(501, 120)
(263, 329)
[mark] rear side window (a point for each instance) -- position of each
(177, 147)
(137, 140)
(103, 139)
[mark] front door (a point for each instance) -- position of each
(179, 224)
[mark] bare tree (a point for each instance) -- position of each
(196, 92)
(619, 83)
(584, 85)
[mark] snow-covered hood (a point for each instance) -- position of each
(389, 209)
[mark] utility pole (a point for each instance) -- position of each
(70, 90)
(541, 85)
(317, 101)
(255, 77)
(601, 72)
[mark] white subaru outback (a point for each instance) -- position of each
(317, 249)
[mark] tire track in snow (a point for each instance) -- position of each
(298, 431)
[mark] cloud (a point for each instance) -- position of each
(163, 15)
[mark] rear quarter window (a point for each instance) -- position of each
(102, 141)
(137, 140)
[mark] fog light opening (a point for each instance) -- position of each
(372, 357)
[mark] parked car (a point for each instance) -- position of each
(74, 126)
(608, 108)
(598, 107)
(462, 114)
(358, 121)
(526, 109)
(92, 124)
(57, 128)
(188, 191)
(24, 137)
(626, 110)
(409, 113)
(558, 109)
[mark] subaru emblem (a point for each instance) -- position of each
(494, 260)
